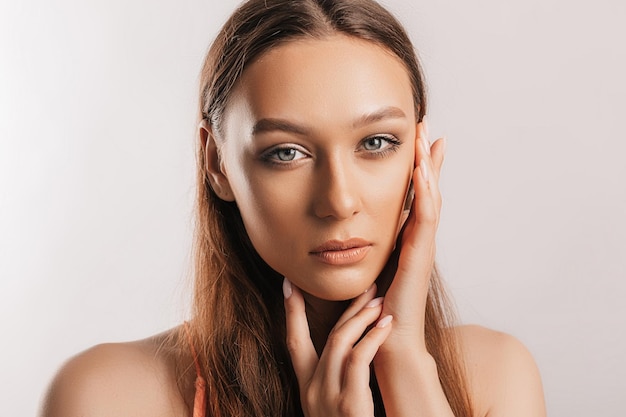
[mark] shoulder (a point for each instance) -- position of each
(121, 379)
(503, 376)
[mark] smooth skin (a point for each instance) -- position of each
(338, 383)
(316, 147)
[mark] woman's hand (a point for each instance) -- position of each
(407, 374)
(336, 383)
(405, 298)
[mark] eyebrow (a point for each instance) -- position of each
(272, 124)
(388, 112)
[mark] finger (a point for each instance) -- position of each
(429, 159)
(303, 355)
(356, 306)
(357, 370)
(417, 253)
(424, 215)
(438, 149)
(437, 152)
(423, 153)
(342, 340)
(421, 139)
(423, 128)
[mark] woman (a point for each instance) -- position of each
(316, 292)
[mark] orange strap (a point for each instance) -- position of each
(199, 401)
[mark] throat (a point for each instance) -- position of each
(322, 316)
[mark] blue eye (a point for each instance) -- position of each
(287, 154)
(283, 155)
(373, 144)
(380, 145)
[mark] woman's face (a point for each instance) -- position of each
(318, 149)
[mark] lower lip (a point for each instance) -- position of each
(342, 257)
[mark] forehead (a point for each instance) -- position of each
(323, 80)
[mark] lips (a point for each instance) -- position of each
(342, 252)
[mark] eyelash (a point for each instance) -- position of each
(393, 144)
(269, 157)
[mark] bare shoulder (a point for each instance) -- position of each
(503, 376)
(117, 379)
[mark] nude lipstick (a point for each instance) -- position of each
(342, 252)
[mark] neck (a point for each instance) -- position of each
(322, 316)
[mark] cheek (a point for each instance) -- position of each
(270, 214)
(387, 191)
(277, 210)
(273, 215)
(386, 211)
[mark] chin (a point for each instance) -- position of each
(331, 283)
(340, 290)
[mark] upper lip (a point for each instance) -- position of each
(336, 245)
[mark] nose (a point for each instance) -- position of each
(337, 190)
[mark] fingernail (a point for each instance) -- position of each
(424, 170)
(374, 303)
(425, 124)
(287, 290)
(384, 322)
(426, 145)
(370, 288)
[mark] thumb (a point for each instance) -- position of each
(299, 343)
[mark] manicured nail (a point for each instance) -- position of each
(426, 145)
(375, 302)
(384, 321)
(424, 170)
(425, 124)
(287, 290)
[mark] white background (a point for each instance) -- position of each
(97, 118)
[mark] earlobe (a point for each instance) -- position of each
(213, 164)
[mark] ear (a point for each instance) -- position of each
(213, 163)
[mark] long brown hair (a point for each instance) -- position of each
(238, 315)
